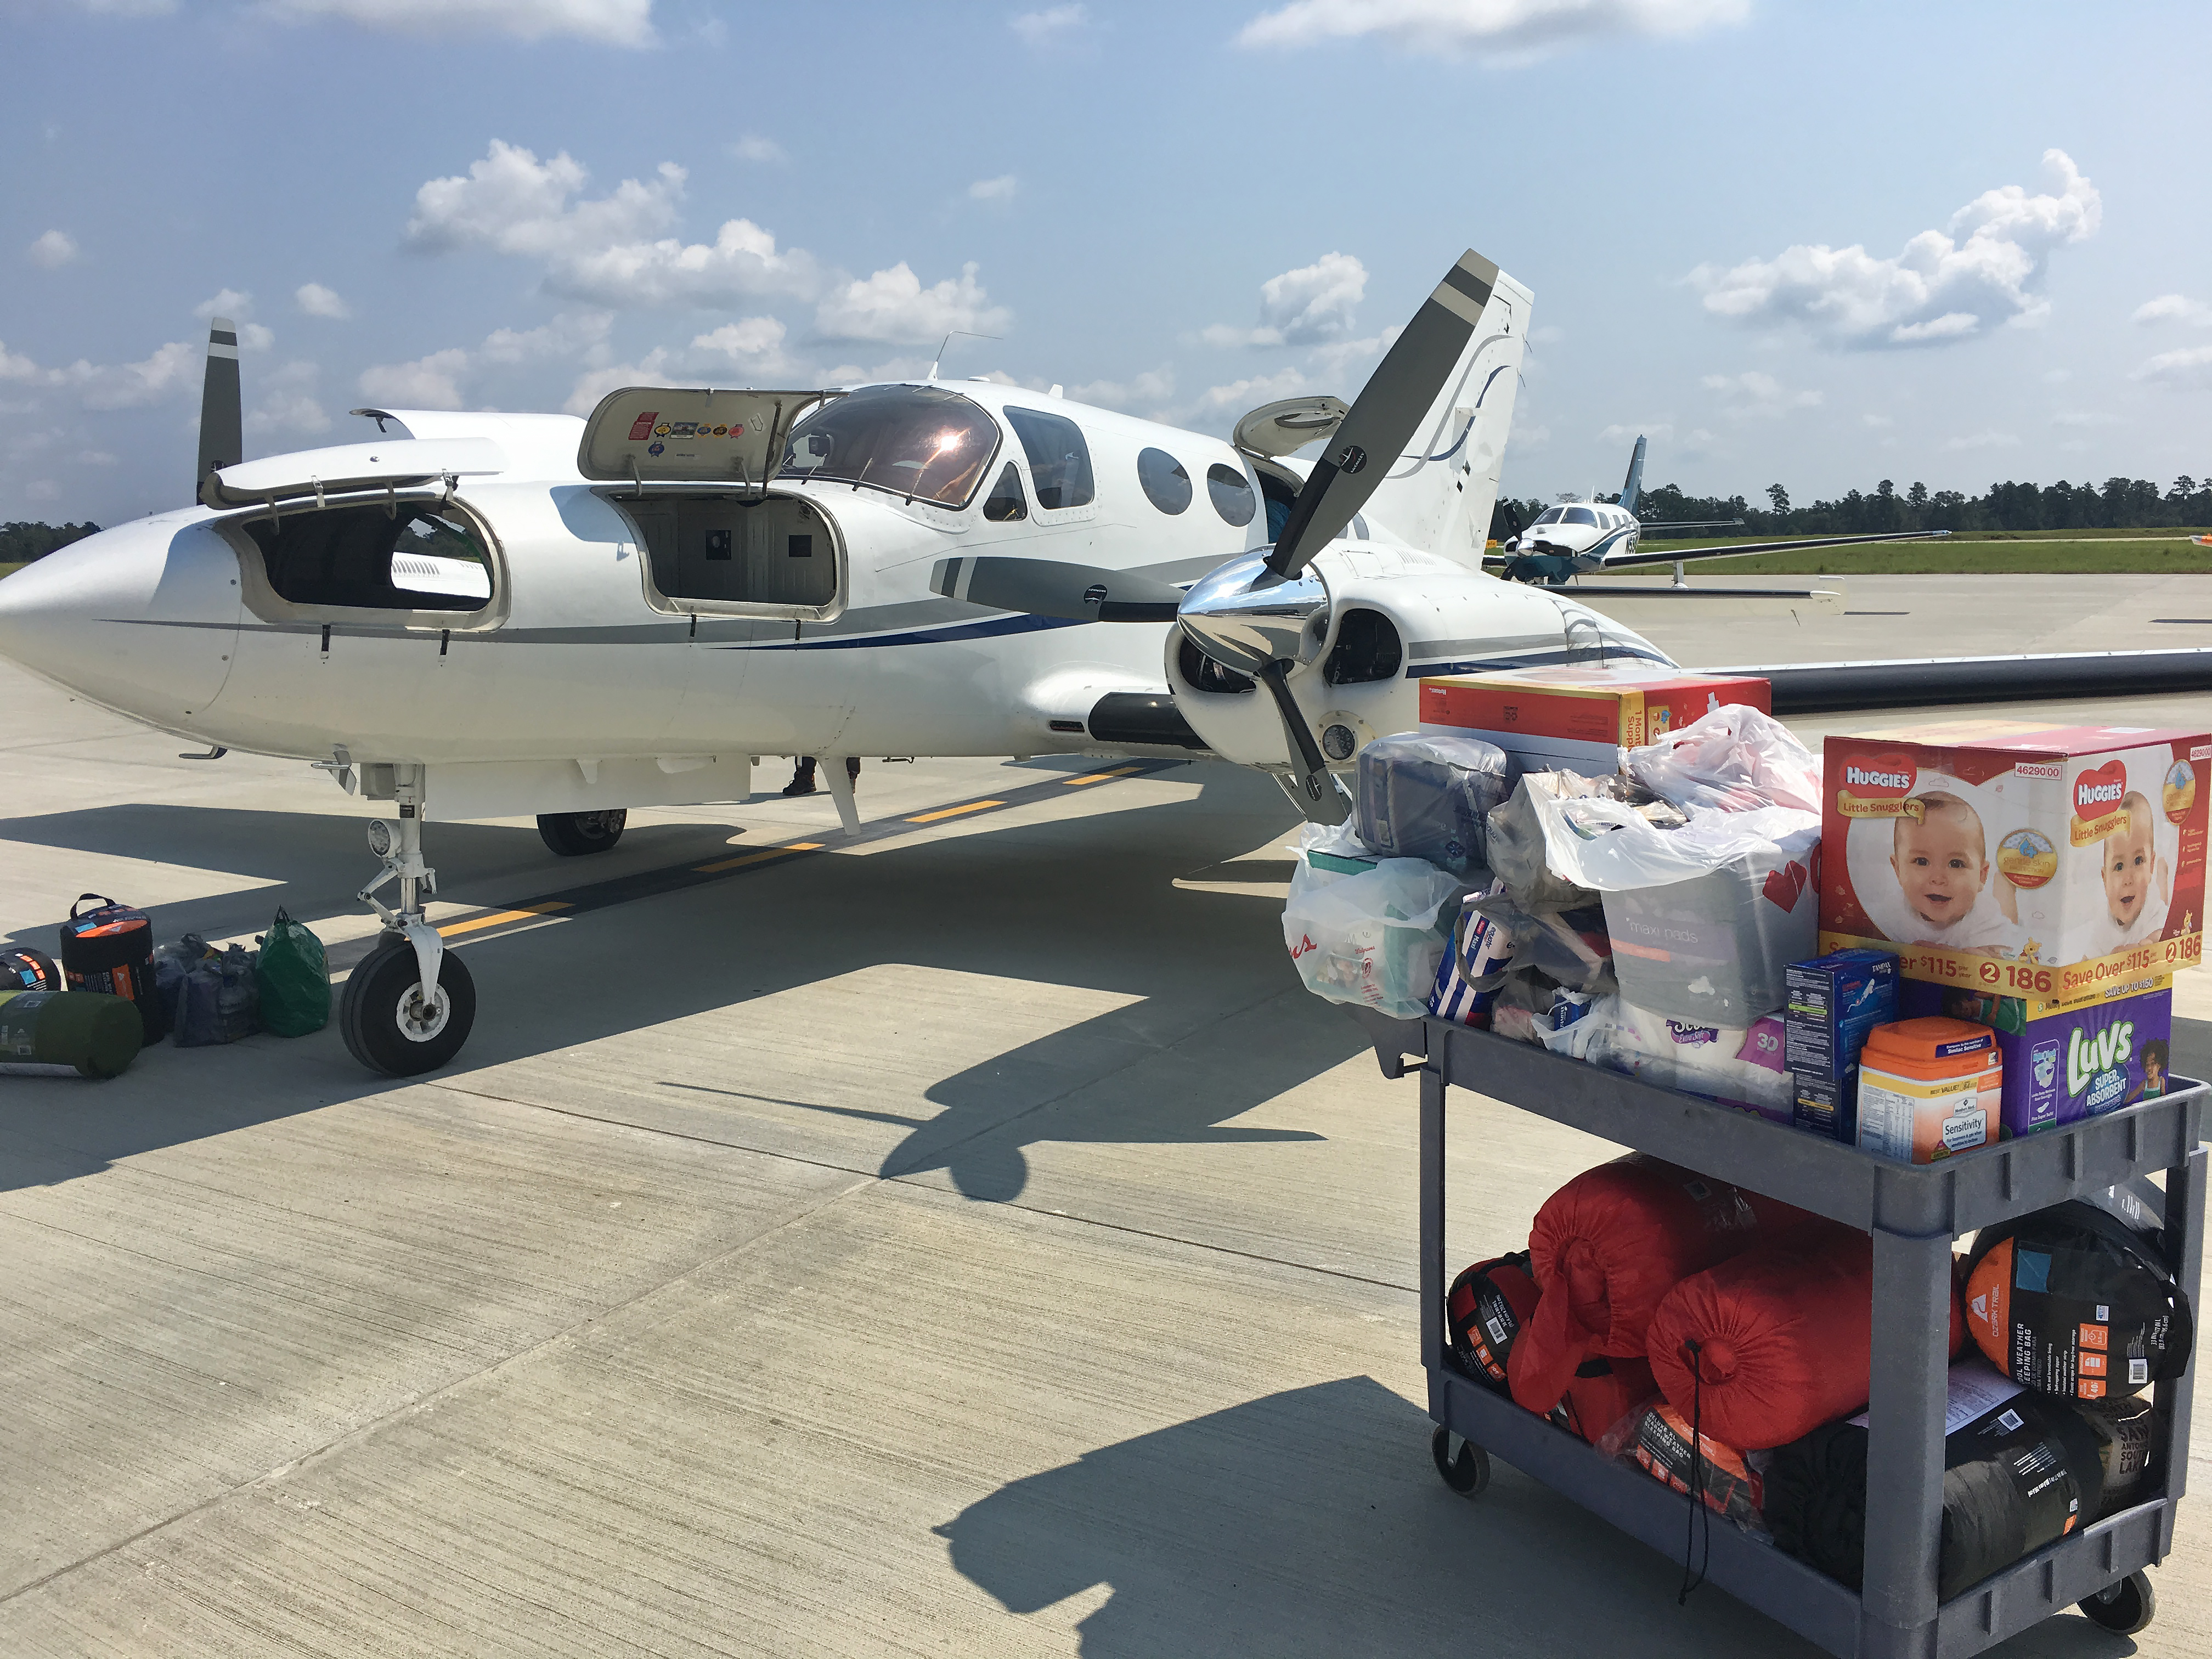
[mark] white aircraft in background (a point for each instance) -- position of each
(487, 615)
(1579, 537)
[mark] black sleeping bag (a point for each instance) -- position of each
(2026, 1472)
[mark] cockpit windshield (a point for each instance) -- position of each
(915, 440)
(1550, 515)
(1581, 515)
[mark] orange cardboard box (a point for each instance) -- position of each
(1578, 718)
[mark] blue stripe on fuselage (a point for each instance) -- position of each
(974, 630)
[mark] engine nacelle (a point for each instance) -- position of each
(1395, 615)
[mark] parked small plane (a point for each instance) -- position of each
(1580, 537)
(487, 615)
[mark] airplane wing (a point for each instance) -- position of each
(1738, 550)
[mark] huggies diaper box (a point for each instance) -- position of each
(1579, 719)
(2065, 1059)
(2025, 860)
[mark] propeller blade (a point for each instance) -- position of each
(1323, 799)
(1048, 587)
(222, 429)
(1361, 452)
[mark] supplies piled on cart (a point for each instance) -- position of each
(1722, 1342)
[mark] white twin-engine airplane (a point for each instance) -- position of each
(486, 616)
(1577, 537)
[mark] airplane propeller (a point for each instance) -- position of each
(222, 430)
(1254, 614)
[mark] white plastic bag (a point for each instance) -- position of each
(1371, 940)
(1734, 759)
(1612, 848)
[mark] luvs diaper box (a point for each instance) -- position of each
(1578, 718)
(2018, 859)
(2066, 1058)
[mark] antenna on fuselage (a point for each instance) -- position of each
(966, 333)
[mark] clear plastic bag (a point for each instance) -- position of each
(1523, 849)
(1373, 940)
(1734, 759)
(1425, 795)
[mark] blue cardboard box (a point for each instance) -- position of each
(1835, 1001)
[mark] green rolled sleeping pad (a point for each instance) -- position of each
(54, 1033)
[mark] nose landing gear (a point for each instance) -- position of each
(408, 1006)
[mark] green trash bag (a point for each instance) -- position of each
(296, 979)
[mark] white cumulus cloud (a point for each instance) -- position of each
(2190, 369)
(1985, 441)
(750, 343)
(431, 382)
(319, 301)
(1150, 390)
(285, 401)
(171, 368)
(603, 22)
(1309, 306)
(1984, 269)
(753, 147)
(1000, 189)
(1753, 393)
(893, 308)
(2174, 308)
(1516, 30)
(513, 203)
(53, 249)
(1051, 26)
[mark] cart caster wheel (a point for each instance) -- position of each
(2127, 1607)
(1469, 1472)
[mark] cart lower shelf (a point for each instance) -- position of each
(1779, 1585)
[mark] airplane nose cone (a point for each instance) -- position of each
(142, 618)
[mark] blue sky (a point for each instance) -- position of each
(1808, 244)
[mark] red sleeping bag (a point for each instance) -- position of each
(1600, 1393)
(1608, 1245)
(1784, 1337)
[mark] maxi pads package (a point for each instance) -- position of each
(2066, 1059)
(2027, 860)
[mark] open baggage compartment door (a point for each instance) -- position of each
(691, 468)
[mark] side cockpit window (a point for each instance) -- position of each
(376, 558)
(923, 442)
(1006, 503)
(1060, 460)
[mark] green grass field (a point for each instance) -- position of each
(10, 569)
(2064, 552)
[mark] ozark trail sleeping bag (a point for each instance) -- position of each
(2020, 1470)
(1785, 1336)
(1608, 1246)
(1485, 1308)
(2072, 1302)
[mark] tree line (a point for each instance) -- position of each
(21, 541)
(2116, 504)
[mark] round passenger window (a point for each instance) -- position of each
(1167, 486)
(1231, 493)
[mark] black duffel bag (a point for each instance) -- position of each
(110, 949)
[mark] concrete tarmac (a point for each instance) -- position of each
(969, 1243)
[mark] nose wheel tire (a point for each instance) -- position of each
(572, 835)
(1468, 1472)
(387, 1022)
(2124, 1609)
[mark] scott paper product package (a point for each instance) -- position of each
(2067, 1058)
(2019, 859)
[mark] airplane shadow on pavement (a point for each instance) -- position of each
(1085, 901)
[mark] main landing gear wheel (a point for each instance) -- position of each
(572, 835)
(387, 1022)
(1468, 1473)
(2124, 1609)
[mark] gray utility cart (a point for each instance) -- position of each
(1915, 1214)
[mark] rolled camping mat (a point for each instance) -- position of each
(56, 1033)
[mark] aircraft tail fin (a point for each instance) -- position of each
(1440, 494)
(1634, 486)
(221, 439)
